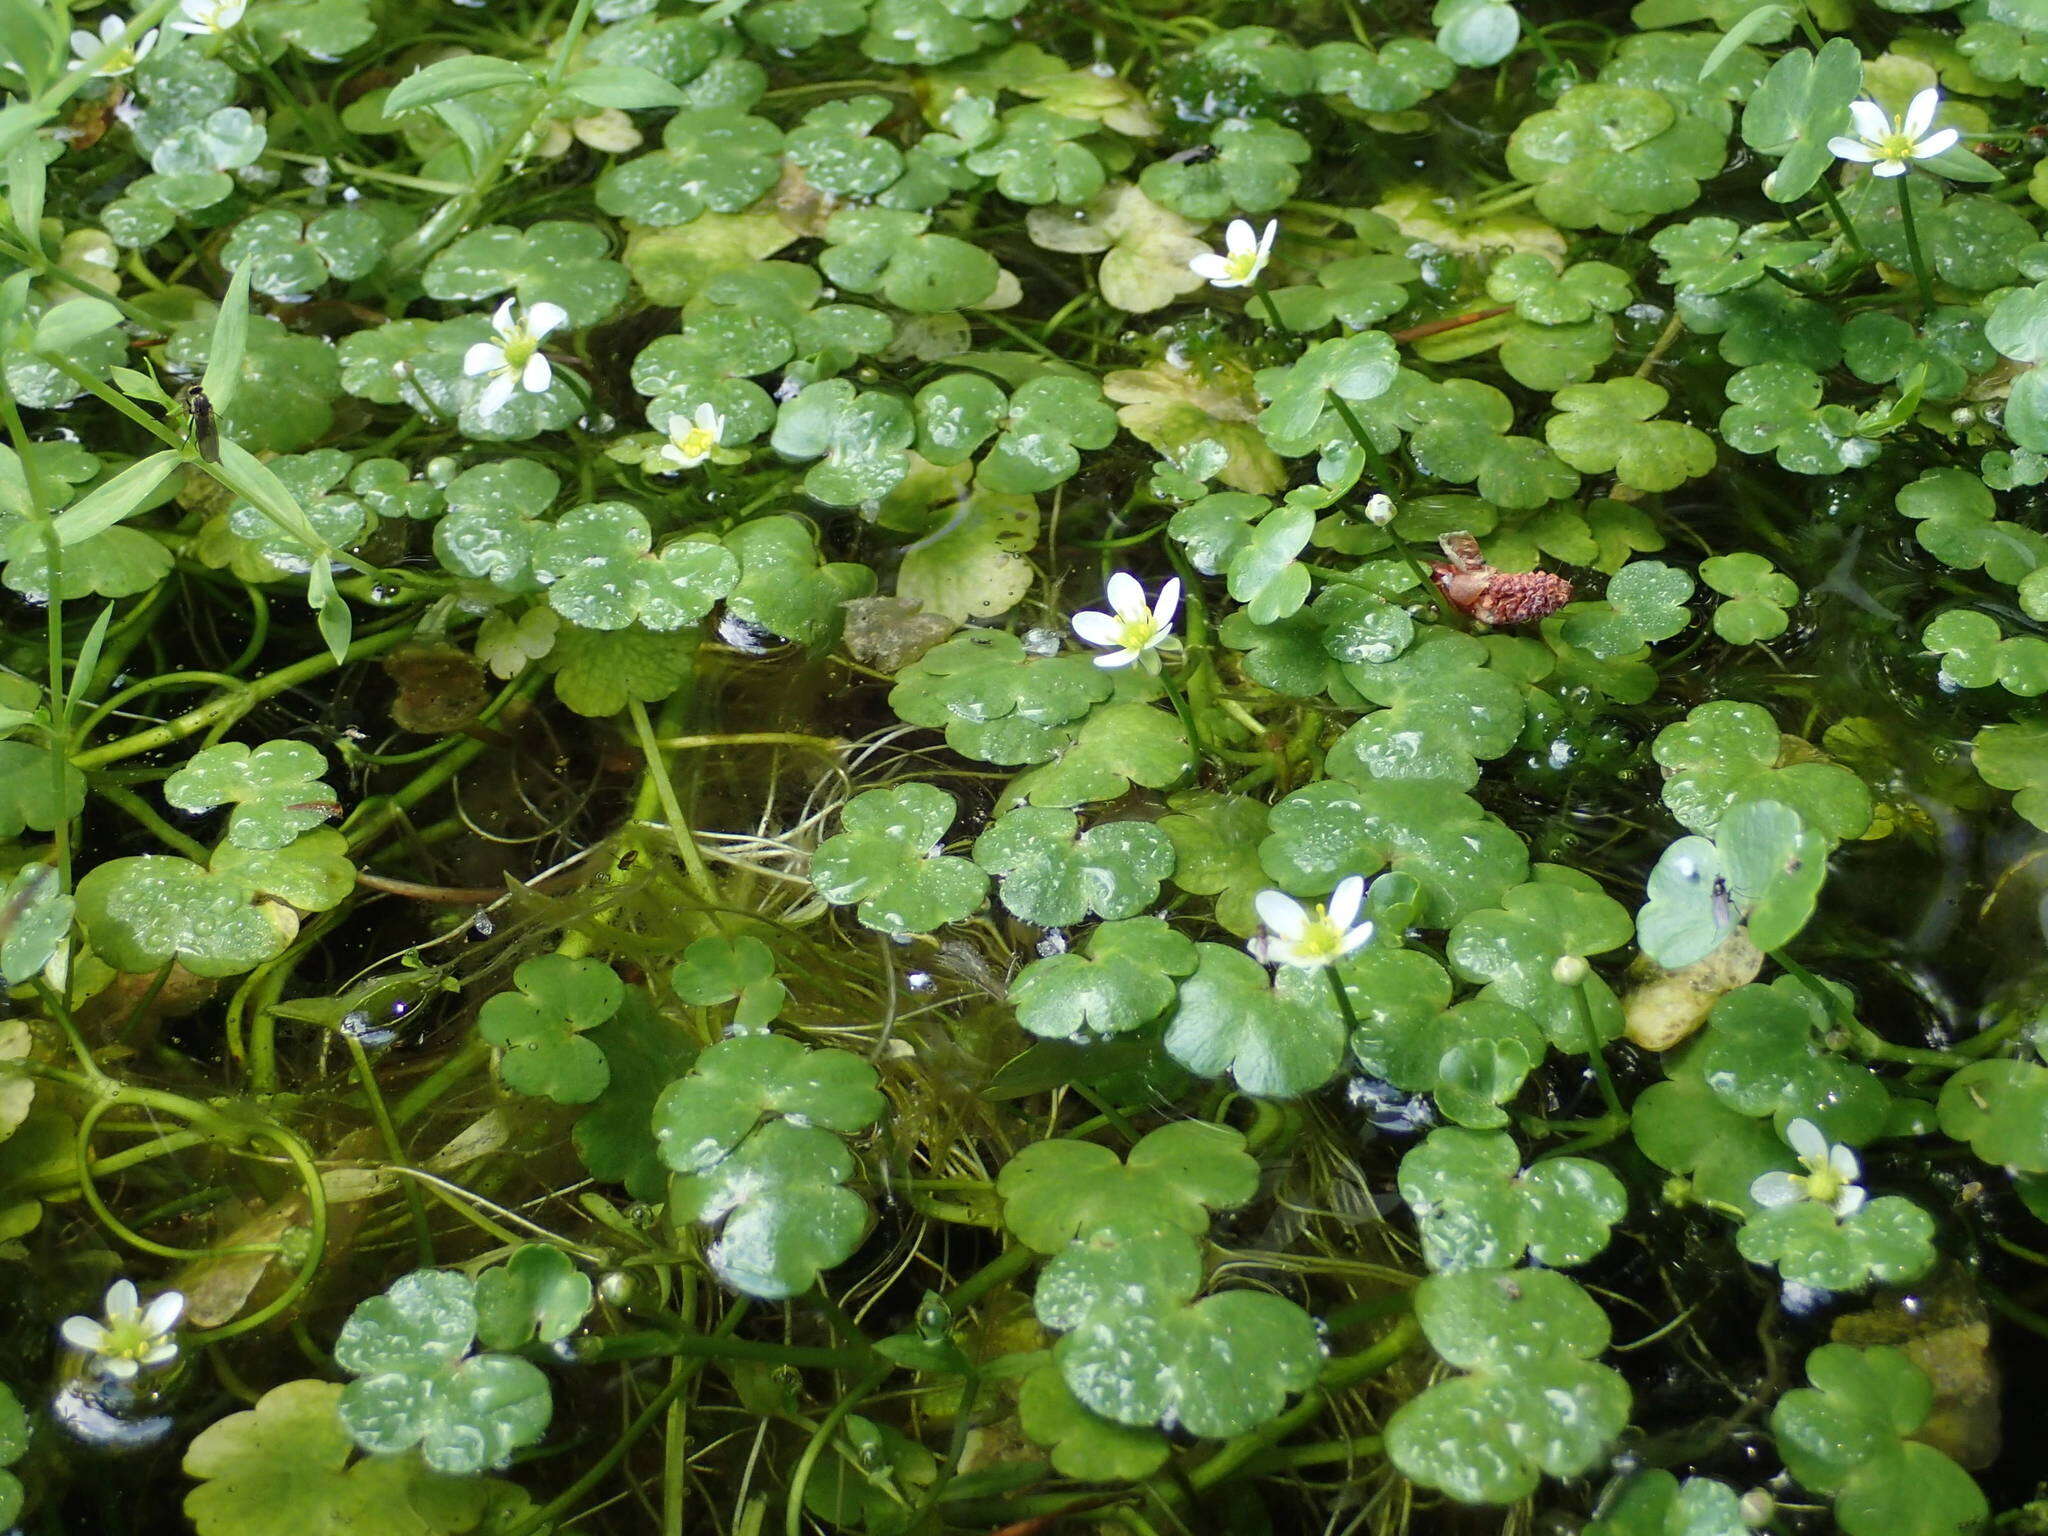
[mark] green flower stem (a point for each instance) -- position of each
(380, 1113)
(1343, 998)
(1841, 218)
(1911, 230)
(88, 1189)
(232, 705)
(1596, 1054)
(1181, 707)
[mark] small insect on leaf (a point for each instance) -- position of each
(199, 416)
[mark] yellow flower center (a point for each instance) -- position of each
(696, 443)
(1320, 940)
(1824, 1184)
(1136, 634)
(518, 348)
(1244, 265)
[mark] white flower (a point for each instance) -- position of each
(84, 46)
(1133, 630)
(1245, 254)
(1830, 1177)
(513, 361)
(1379, 509)
(1886, 144)
(209, 17)
(1310, 940)
(133, 1338)
(690, 445)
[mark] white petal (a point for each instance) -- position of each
(1098, 628)
(1230, 280)
(1920, 112)
(483, 357)
(708, 419)
(144, 43)
(120, 1367)
(538, 374)
(162, 1314)
(1851, 149)
(1804, 1137)
(1355, 940)
(1937, 144)
(1210, 267)
(84, 45)
(1240, 237)
(496, 393)
(1116, 659)
(1283, 916)
(1345, 901)
(503, 318)
(545, 317)
(1889, 168)
(1849, 1201)
(1164, 610)
(1771, 1189)
(1871, 120)
(1843, 1165)
(1126, 597)
(123, 1301)
(1266, 238)
(82, 1333)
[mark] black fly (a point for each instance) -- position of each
(1200, 154)
(205, 429)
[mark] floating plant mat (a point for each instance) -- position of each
(900, 766)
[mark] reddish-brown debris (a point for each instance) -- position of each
(1495, 597)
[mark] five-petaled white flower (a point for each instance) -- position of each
(84, 46)
(1309, 939)
(1830, 1177)
(513, 360)
(1132, 630)
(1886, 144)
(1245, 254)
(134, 1338)
(205, 18)
(692, 438)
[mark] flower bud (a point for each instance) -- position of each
(1379, 509)
(1569, 971)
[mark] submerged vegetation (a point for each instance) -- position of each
(977, 765)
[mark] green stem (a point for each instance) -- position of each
(1841, 218)
(1181, 707)
(716, 1346)
(230, 705)
(672, 807)
(1343, 1002)
(1911, 231)
(1346, 1371)
(546, 1517)
(138, 810)
(1596, 1052)
(793, 1507)
(380, 1113)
